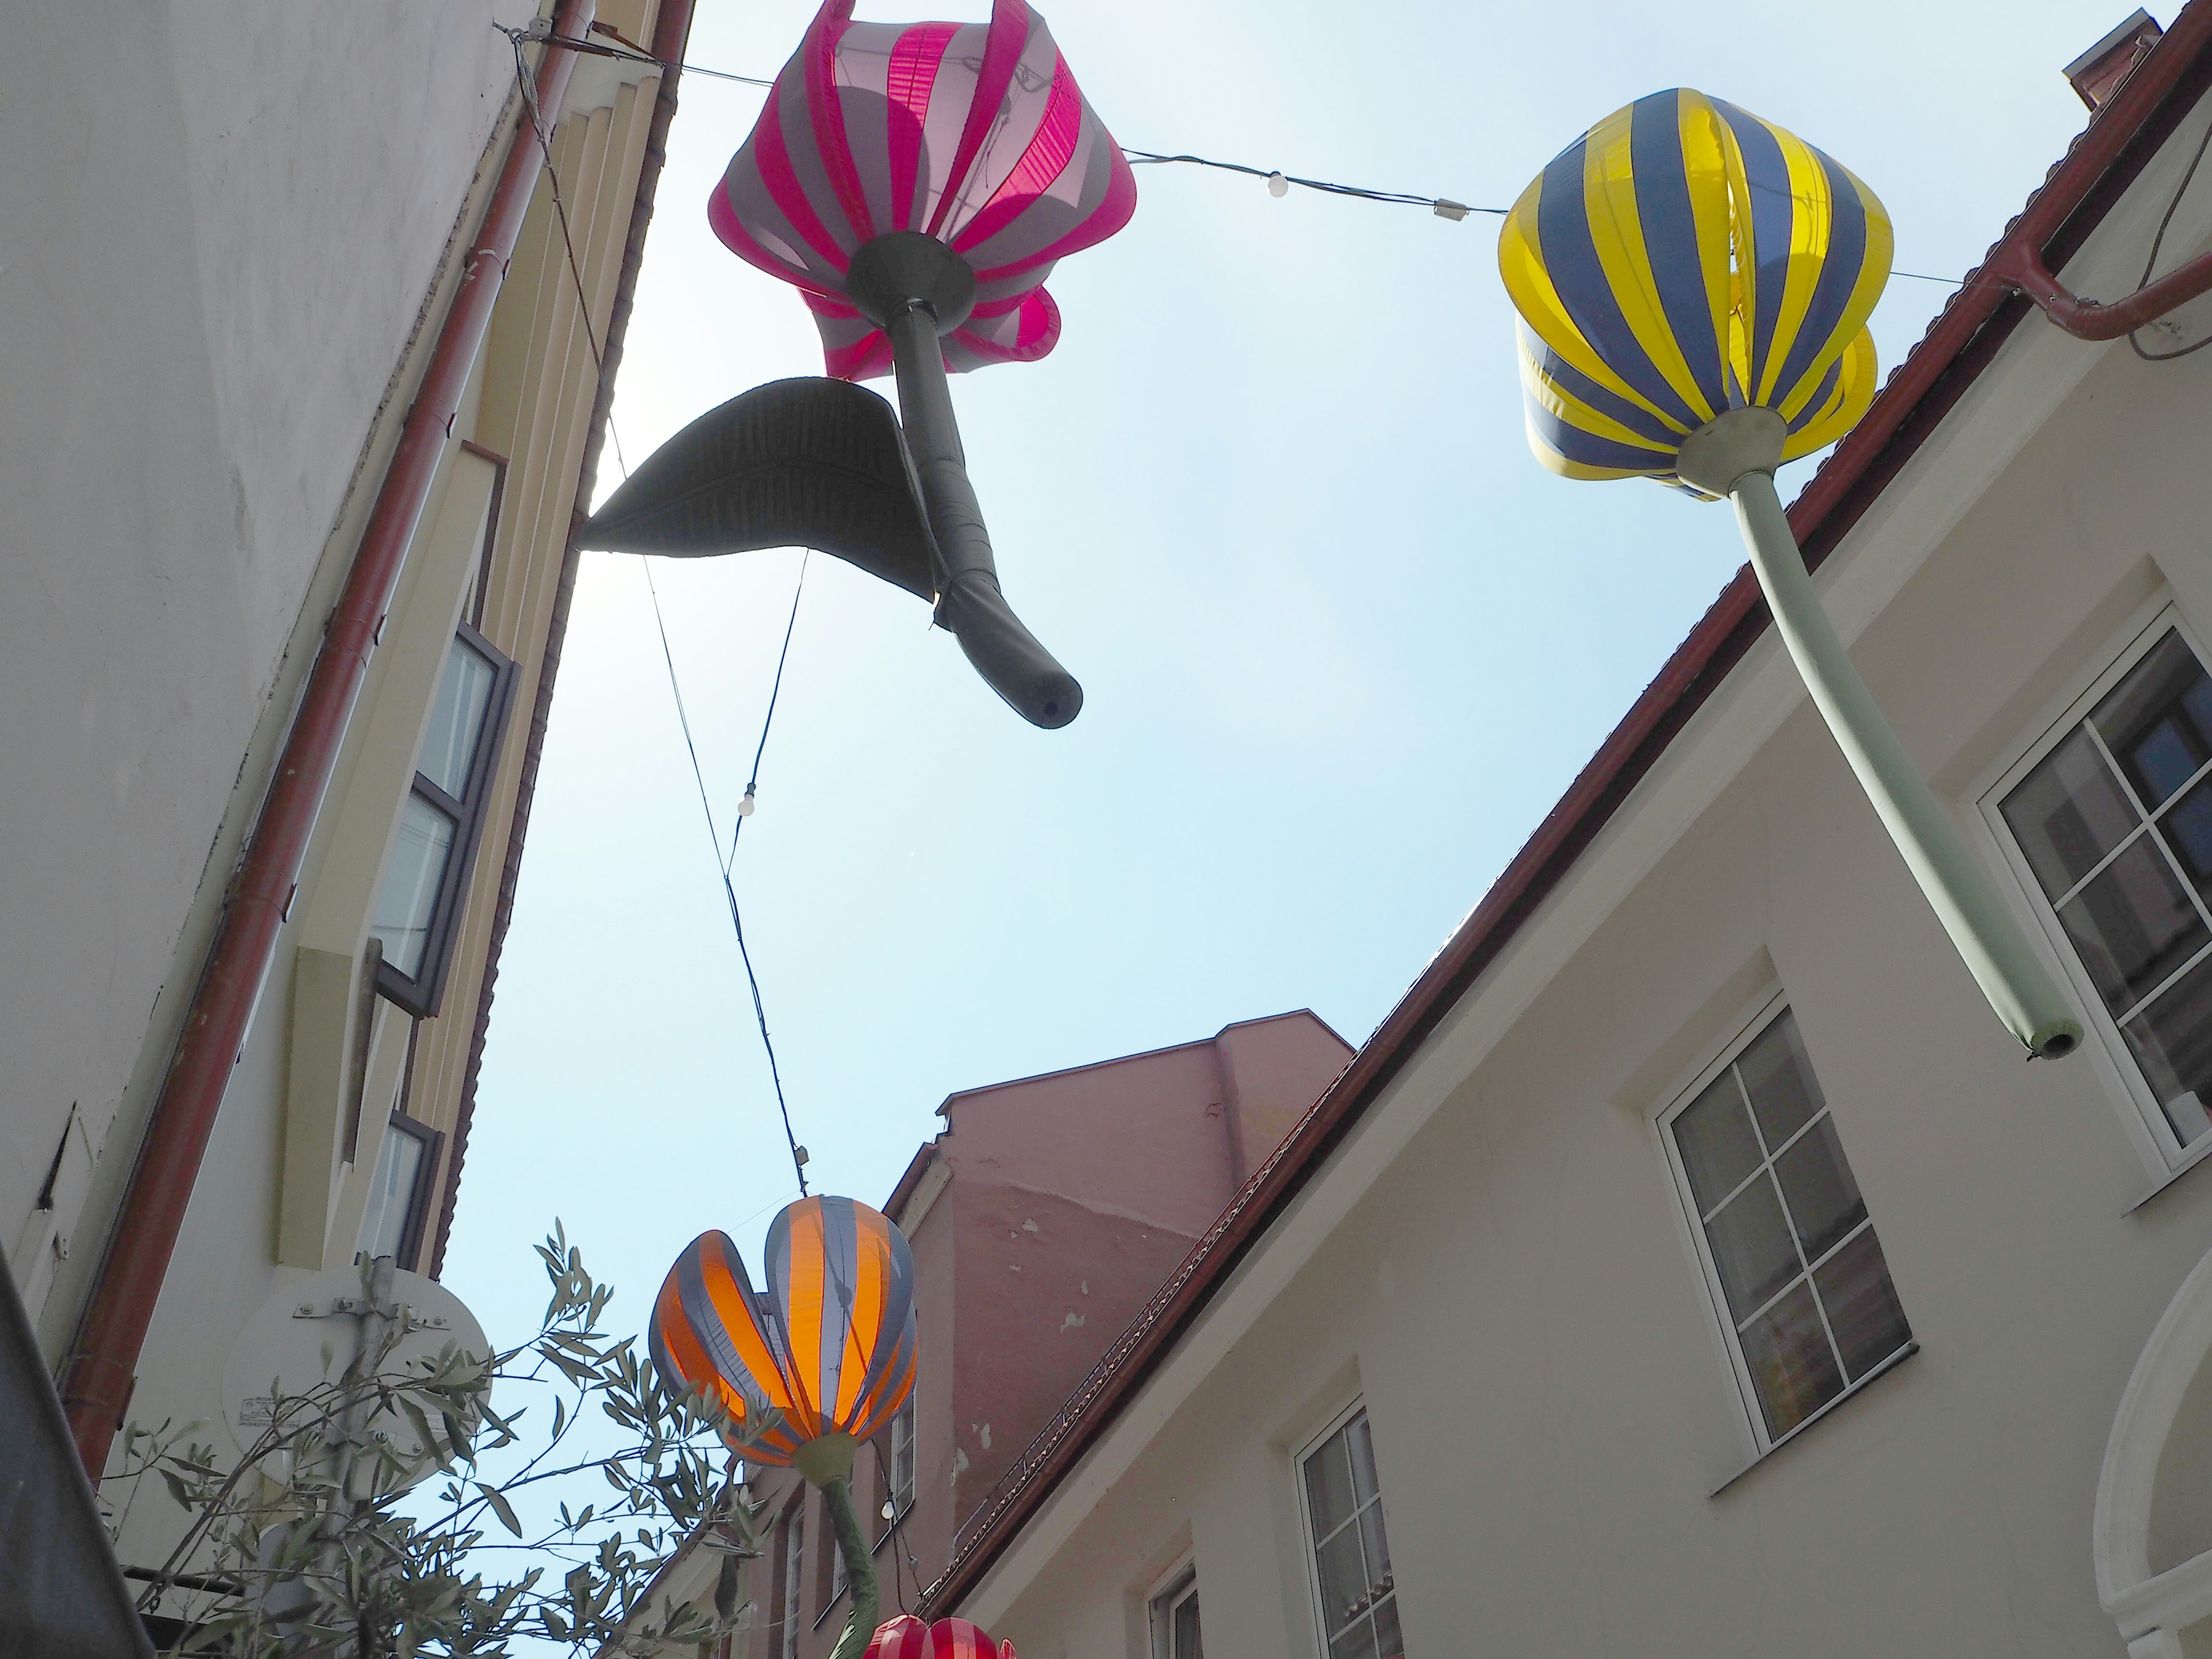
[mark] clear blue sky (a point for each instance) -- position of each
(1343, 643)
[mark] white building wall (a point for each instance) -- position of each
(218, 222)
(1513, 1293)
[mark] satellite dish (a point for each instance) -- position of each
(308, 1333)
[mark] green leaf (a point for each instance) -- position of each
(502, 1507)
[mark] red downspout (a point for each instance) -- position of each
(2085, 320)
(2020, 261)
(101, 1377)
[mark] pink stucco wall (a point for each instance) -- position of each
(1042, 1218)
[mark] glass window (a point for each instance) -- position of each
(1175, 1618)
(449, 748)
(392, 1223)
(413, 881)
(1353, 1585)
(2115, 827)
(902, 1457)
(1799, 1273)
(419, 906)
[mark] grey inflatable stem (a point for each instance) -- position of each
(915, 288)
(859, 1570)
(1735, 456)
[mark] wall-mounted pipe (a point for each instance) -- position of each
(2022, 265)
(97, 1386)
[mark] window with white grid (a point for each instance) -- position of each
(2108, 822)
(1355, 1592)
(1795, 1272)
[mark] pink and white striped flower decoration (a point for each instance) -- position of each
(972, 133)
(908, 1637)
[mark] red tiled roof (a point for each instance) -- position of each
(2074, 197)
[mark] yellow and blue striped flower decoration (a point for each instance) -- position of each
(1681, 259)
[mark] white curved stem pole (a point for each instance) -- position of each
(2019, 988)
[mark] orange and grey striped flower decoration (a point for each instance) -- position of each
(906, 1638)
(825, 1348)
(1681, 259)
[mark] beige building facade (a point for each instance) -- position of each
(1691, 1265)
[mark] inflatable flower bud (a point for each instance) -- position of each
(908, 1637)
(916, 182)
(1695, 285)
(813, 1362)
(1681, 259)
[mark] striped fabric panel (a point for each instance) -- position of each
(827, 1346)
(1683, 258)
(908, 1637)
(976, 134)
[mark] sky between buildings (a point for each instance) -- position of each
(1342, 641)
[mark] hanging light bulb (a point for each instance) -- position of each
(746, 806)
(1277, 185)
(887, 1509)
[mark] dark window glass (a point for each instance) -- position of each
(2133, 923)
(419, 908)
(2131, 890)
(1719, 1146)
(1792, 1365)
(2158, 721)
(2068, 813)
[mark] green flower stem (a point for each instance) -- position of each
(860, 1572)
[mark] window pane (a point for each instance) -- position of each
(1388, 1643)
(2158, 721)
(2133, 924)
(1343, 1579)
(449, 747)
(1779, 1079)
(1717, 1146)
(1792, 1367)
(1819, 1188)
(902, 1457)
(391, 1193)
(1328, 1485)
(1186, 1626)
(1751, 1247)
(1371, 1540)
(410, 897)
(2172, 1041)
(1357, 1643)
(1361, 1444)
(1861, 1305)
(2188, 830)
(2068, 813)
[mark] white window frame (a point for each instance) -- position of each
(1308, 1545)
(1750, 1416)
(2162, 1152)
(1168, 1592)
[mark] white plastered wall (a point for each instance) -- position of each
(219, 224)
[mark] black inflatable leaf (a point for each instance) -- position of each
(801, 463)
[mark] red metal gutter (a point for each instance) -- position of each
(102, 1372)
(2123, 135)
(671, 32)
